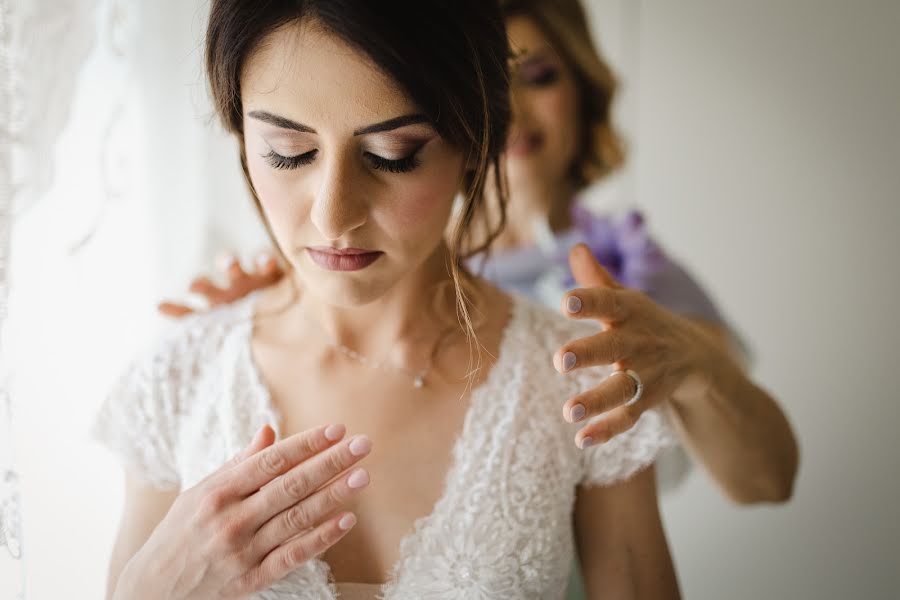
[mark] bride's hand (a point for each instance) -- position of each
(240, 283)
(252, 521)
(670, 354)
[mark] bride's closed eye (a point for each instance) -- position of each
(277, 161)
(379, 163)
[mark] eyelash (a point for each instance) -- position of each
(401, 165)
(277, 161)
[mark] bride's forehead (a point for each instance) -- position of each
(310, 68)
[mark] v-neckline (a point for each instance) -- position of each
(478, 395)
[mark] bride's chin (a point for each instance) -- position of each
(343, 291)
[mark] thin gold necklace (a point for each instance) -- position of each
(418, 378)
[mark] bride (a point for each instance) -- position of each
(381, 423)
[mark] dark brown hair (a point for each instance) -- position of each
(449, 56)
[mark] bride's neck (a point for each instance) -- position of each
(410, 315)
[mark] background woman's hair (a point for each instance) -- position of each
(600, 150)
(451, 57)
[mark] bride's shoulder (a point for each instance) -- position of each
(548, 327)
(197, 337)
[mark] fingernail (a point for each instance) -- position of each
(360, 445)
(568, 360)
(573, 304)
(347, 521)
(576, 413)
(334, 432)
(224, 261)
(358, 478)
(586, 442)
(262, 260)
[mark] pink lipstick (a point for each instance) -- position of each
(342, 259)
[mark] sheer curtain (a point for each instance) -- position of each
(123, 187)
(11, 573)
(33, 105)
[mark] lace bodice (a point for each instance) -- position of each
(502, 527)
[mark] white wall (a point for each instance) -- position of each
(766, 152)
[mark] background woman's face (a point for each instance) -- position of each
(341, 158)
(544, 136)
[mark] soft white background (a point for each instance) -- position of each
(765, 144)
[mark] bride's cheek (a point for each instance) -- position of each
(271, 192)
(423, 204)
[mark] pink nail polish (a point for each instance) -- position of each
(262, 260)
(358, 478)
(347, 521)
(334, 432)
(360, 445)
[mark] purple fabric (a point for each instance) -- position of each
(622, 244)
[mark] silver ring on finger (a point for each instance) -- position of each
(638, 384)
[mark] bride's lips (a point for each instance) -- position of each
(342, 259)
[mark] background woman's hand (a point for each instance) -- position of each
(670, 353)
(252, 521)
(266, 272)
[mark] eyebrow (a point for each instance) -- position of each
(535, 57)
(388, 125)
(527, 55)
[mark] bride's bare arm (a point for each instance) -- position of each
(621, 543)
(145, 507)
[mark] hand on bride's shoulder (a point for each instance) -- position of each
(267, 271)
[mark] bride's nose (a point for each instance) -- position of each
(339, 206)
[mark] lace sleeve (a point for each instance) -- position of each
(629, 452)
(136, 420)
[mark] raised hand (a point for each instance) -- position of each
(667, 353)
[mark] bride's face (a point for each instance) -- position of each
(342, 160)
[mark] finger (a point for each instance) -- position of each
(616, 421)
(606, 304)
(587, 270)
(206, 288)
(304, 479)
(265, 263)
(604, 348)
(224, 260)
(271, 275)
(257, 470)
(284, 559)
(235, 272)
(309, 512)
(615, 390)
(263, 438)
(171, 309)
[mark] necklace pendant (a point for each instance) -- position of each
(419, 381)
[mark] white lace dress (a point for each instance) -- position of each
(502, 528)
